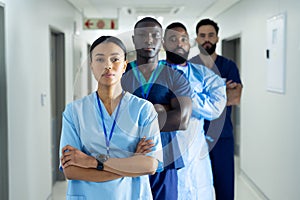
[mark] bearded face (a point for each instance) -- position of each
(177, 56)
(207, 48)
(207, 39)
(177, 45)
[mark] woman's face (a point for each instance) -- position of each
(108, 63)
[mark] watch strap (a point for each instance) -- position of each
(101, 158)
(100, 165)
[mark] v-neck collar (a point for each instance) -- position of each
(140, 76)
(106, 115)
(146, 85)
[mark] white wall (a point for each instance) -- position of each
(269, 121)
(27, 32)
(28, 76)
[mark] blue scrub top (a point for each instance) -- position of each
(209, 100)
(82, 128)
(228, 70)
(208, 90)
(168, 84)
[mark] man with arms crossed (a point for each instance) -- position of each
(209, 99)
(222, 153)
(169, 92)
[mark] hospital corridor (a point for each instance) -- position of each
(44, 65)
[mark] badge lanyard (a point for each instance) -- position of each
(146, 86)
(108, 138)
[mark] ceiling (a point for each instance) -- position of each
(128, 11)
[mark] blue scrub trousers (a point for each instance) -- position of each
(222, 162)
(164, 185)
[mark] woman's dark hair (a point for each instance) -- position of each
(204, 22)
(107, 39)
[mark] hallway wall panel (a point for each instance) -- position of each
(269, 121)
(28, 81)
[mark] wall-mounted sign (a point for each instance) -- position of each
(104, 23)
(276, 53)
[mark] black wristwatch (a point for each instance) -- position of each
(101, 158)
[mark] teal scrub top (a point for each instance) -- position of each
(82, 128)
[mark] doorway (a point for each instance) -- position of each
(3, 113)
(231, 48)
(57, 82)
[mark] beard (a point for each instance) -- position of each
(177, 58)
(207, 51)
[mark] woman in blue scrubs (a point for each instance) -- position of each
(102, 132)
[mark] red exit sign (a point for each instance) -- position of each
(103, 23)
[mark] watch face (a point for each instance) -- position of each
(102, 158)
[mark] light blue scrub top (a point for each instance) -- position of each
(82, 128)
(209, 90)
(209, 100)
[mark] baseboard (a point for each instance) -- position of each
(252, 186)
